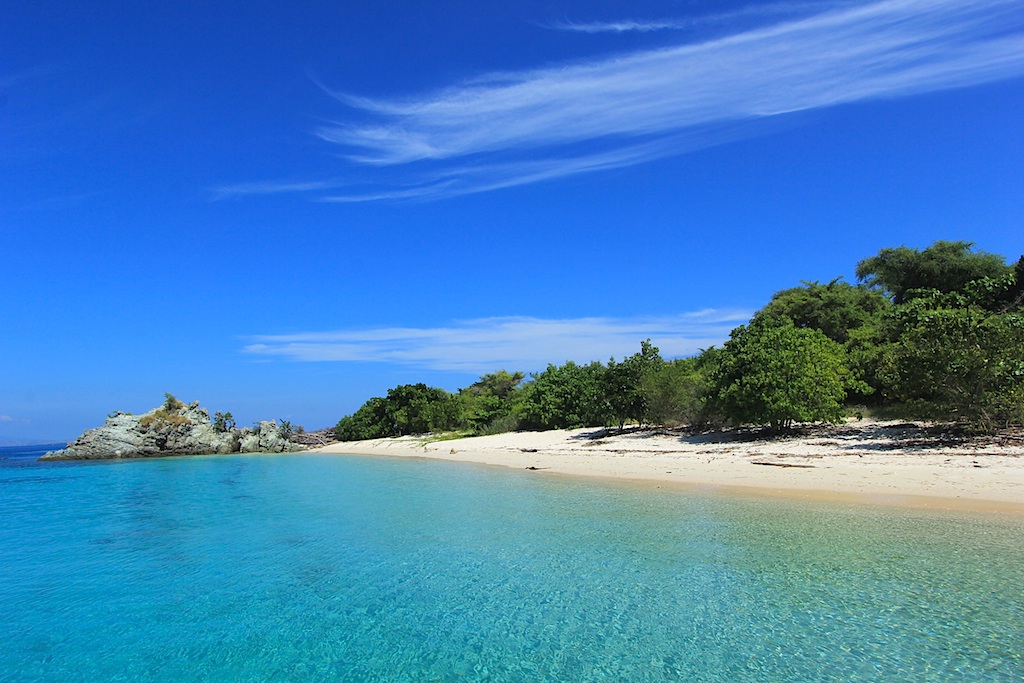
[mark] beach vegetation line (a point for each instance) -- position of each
(934, 334)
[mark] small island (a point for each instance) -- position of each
(175, 428)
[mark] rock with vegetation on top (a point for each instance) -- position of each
(269, 437)
(172, 429)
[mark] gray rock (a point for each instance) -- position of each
(268, 438)
(172, 429)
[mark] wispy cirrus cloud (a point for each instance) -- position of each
(464, 179)
(469, 179)
(653, 103)
(6, 418)
(761, 10)
(277, 187)
(619, 26)
(488, 344)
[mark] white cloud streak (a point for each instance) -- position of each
(6, 418)
(891, 48)
(760, 10)
(520, 343)
(470, 179)
(654, 103)
(620, 26)
(276, 187)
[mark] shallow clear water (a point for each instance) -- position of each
(358, 569)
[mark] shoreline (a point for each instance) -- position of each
(875, 462)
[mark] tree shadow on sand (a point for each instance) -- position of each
(868, 435)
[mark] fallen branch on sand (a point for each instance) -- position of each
(778, 464)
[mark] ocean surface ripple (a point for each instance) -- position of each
(311, 567)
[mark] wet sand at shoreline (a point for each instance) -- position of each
(884, 462)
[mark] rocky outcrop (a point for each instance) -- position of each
(268, 438)
(172, 429)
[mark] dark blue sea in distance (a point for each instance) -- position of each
(314, 567)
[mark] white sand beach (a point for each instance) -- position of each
(896, 463)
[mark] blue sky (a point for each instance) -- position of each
(282, 209)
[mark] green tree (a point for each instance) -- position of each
(851, 315)
(407, 409)
(443, 413)
(837, 309)
(371, 421)
(773, 373)
(957, 363)
(675, 393)
(998, 294)
(944, 266)
(564, 397)
(223, 422)
(417, 408)
(623, 384)
(488, 403)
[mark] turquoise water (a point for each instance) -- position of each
(277, 568)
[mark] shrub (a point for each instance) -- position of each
(171, 404)
(776, 374)
(675, 393)
(953, 364)
(223, 422)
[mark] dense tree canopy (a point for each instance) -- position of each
(676, 392)
(851, 315)
(371, 421)
(623, 384)
(838, 309)
(488, 403)
(565, 396)
(1003, 294)
(775, 373)
(952, 363)
(935, 333)
(944, 266)
(407, 409)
